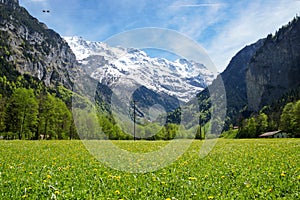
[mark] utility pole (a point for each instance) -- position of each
(200, 126)
(134, 115)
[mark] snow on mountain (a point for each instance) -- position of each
(111, 65)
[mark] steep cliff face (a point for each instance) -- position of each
(234, 78)
(29, 47)
(12, 3)
(235, 85)
(260, 73)
(275, 68)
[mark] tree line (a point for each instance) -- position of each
(26, 116)
(30, 115)
(287, 120)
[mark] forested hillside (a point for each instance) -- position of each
(37, 74)
(260, 80)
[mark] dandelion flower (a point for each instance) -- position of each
(56, 192)
(49, 176)
(282, 174)
(247, 184)
(192, 178)
(30, 173)
(210, 197)
(117, 192)
(222, 176)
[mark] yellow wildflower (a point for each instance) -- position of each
(117, 192)
(210, 197)
(247, 184)
(56, 192)
(30, 173)
(192, 178)
(49, 176)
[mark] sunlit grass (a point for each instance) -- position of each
(235, 169)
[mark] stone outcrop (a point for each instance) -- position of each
(32, 48)
(275, 68)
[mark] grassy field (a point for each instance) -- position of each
(235, 169)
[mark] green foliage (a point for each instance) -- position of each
(2, 113)
(254, 126)
(230, 134)
(54, 118)
(21, 114)
(290, 118)
(28, 116)
(281, 114)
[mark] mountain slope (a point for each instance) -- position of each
(260, 74)
(29, 47)
(39, 57)
(235, 84)
(275, 68)
(111, 65)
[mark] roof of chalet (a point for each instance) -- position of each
(267, 134)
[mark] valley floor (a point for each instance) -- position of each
(234, 169)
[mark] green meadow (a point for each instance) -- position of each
(234, 169)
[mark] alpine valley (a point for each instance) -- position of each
(41, 72)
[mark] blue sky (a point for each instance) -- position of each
(221, 27)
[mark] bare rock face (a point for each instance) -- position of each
(261, 73)
(275, 68)
(234, 78)
(31, 48)
(11, 3)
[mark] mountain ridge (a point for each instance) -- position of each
(33, 48)
(260, 74)
(109, 65)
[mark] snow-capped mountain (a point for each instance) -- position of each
(110, 65)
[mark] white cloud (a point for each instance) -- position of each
(252, 23)
(191, 17)
(223, 27)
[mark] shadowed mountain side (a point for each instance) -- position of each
(259, 74)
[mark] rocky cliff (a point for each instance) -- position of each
(260, 73)
(275, 68)
(29, 47)
(11, 3)
(234, 79)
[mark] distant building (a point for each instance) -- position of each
(274, 134)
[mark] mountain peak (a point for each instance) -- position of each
(119, 65)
